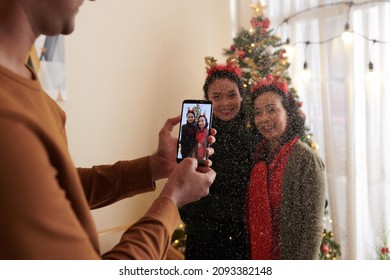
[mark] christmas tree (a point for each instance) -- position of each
(179, 238)
(260, 54)
(329, 249)
(382, 250)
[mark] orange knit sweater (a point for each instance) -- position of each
(45, 200)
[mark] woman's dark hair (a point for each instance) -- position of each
(203, 116)
(222, 74)
(296, 120)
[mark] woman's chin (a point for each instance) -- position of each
(226, 116)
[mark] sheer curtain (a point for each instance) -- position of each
(347, 107)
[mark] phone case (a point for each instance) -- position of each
(195, 125)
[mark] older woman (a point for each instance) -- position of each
(286, 195)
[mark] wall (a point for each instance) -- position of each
(129, 66)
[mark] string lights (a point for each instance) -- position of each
(306, 72)
(346, 35)
(370, 64)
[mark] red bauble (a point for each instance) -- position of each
(385, 251)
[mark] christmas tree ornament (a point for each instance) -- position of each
(258, 9)
(230, 66)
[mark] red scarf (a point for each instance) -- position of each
(264, 204)
(201, 136)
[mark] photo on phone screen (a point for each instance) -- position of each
(195, 125)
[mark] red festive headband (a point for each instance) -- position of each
(202, 115)
(270, 80)
(231, 66)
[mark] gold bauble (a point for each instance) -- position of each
(314, 146)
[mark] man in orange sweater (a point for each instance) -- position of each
(45, 201)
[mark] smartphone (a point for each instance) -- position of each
(195, 124)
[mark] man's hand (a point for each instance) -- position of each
(188, 183)
(163, 162)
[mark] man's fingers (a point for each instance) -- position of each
(170, 124)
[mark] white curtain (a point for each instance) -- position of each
(347, 107)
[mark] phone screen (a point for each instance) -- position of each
(195, 125)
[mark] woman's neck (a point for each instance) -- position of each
(273, 150)
(274, 146)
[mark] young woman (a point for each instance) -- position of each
(188, 130)
(286, 195)
(215, 225)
